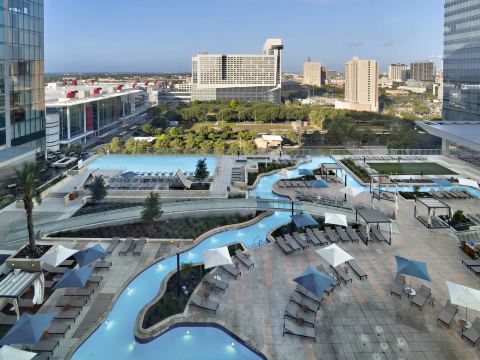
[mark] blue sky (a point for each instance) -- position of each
(163, 35)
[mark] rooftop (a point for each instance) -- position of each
(463, 133)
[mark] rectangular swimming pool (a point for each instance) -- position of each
(151, 163)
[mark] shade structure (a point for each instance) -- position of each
(314, 281)
(11, 353)
(334, 255)
(468, 182)
(350, 191)
(336, 219)
(464, 296)
(28, 329)
(410, 267)
(302, 220)
(74, 278)
(285, 173)
(129, 175)
(216, 257)
(58, 255)
(87, 256)
(304, 172)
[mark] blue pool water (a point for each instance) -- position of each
(114, 339)
(151, 163)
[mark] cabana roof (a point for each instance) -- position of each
(330, 166)
(433, 203)
(183, 179)
(13, 286)
(372, 216)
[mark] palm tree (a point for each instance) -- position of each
(26, 178)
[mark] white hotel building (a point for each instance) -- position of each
(242, 77)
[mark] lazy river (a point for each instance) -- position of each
(114, 338)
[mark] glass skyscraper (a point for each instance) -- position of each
(461, 63)
(22, 99)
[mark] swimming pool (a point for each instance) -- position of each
(152, 163)
(114, 338)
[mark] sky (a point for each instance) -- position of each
(163, 35)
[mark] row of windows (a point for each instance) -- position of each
(450, 3)
(22, 37)
(28, 127)
(32, 8)
(23, 22)
(462, 10)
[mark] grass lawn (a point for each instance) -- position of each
(427, 168)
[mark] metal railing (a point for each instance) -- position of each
(385, 151)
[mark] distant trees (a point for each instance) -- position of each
(201, 171)
(114, 145)
(152, 208)
(26, 181)
(98, 189)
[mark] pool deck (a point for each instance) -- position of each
(254, 304)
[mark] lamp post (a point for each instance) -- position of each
(178, 271)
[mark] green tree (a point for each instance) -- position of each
(114, 145)
(233, 103)
(152, 208)
(98, 188)
(201, 171)
(26, 178)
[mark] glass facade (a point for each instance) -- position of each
(461, 61)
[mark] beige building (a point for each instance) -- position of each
(312, 73)
(397, 72)
(361, 85)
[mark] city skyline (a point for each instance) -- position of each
(138, 38)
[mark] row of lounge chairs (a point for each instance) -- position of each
(300, 313)
(388, 157)
(130, 245)
(472, 265)
(452, 194)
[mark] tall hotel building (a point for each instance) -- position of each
(312, 73)
(22, 103)
(242, 77)
(397, 72)
(361, 85)
(460, 125)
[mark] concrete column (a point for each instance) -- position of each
(445, 147)
(68, 122)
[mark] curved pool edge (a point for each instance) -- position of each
(198, 240)
(220, 325)
(260, 176)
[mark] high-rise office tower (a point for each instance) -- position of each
(461, 64)
(423, 71)
(361, 84)
(397, 72)
(312, 73)
(22, 102)
(242, 77)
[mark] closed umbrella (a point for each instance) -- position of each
(38, 290)
(74, 278)
(464, 296)
(302, 220)
(11, 353)
(314, 281)
(336, 219)
(216, 257)
(414, 268)
(58, 255)
(334, 255)
(28, 329)
(87, 256)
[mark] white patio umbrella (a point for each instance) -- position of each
(11, 353)
(468, 182)
(350, 191)
(336, 219)
(285, 173)
(334, 255)
(464, 296)
(216, 257)
(58, 255)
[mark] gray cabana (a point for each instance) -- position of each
(380, 187)
(325, 169)
(13, 285)
(431, 220)
(375, 217)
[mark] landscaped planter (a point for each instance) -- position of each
(32, 264)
